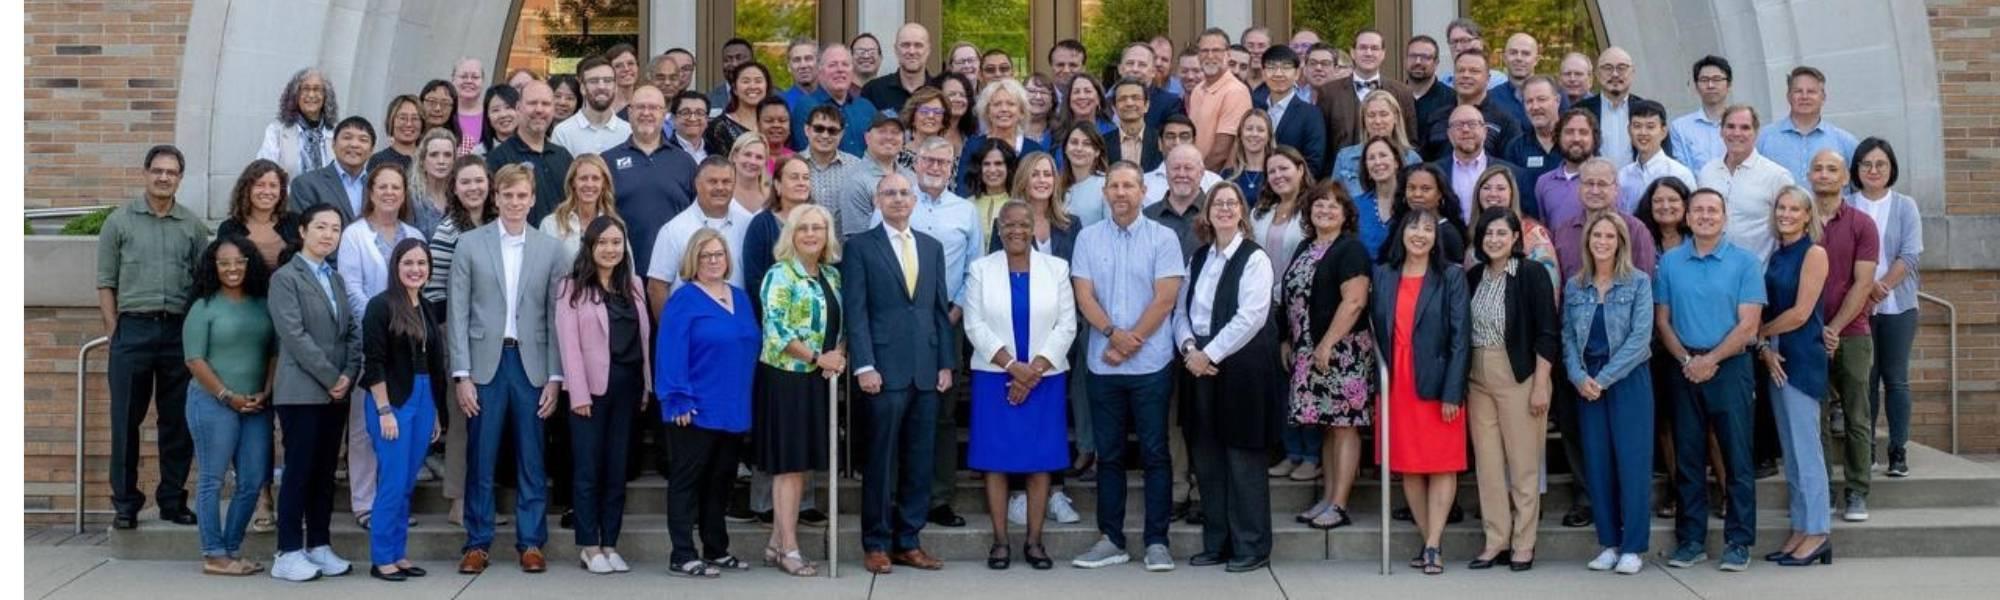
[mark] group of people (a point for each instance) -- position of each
(1213, 256)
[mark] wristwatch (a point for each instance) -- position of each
(1108, 330)
(1188, 347)
(383, 409)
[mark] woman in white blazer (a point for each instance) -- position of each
(363, 264)
(1020, 316)
(301, 138)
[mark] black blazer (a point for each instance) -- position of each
(391, 357)
(905, 339)
(1304, 129)
(1149, 149)
(1534, 328)
(1595, 104)
(1442, 334)
(288, 230)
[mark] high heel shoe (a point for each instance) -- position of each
(1823, 555)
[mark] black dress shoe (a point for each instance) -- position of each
(943, 516)
(125, 522)
(568, 520)
(1246, 564)
(1578, 516)
(1521, 565)
(1180, 511)
(377, 573)
(1194, 514)
(1207, 559)
(178, 517)
(1504, 557)
(414, 571)
(1767, 470)
(812, 517)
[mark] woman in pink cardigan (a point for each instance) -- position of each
(601, 329)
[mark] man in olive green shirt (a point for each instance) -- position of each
(145, 258)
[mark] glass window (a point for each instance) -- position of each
(1109, 25)
(550, 36)
(989, 24)
(1562, 27)
(771, 25)
(1334, 20)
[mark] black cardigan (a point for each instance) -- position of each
(1326, 299)
(1533, 329)
(388, 356)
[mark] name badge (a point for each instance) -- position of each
(624, 162)
(1534, 162)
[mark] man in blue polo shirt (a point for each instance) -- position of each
(1712, 388)
(654, 180)
(836, 87)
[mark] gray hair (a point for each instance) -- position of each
(288, 102)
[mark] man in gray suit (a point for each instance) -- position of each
(339, 184)
(319, 359)
(899, 327)
(504, 366)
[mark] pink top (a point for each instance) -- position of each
(471, 127)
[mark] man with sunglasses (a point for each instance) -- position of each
(824, 156)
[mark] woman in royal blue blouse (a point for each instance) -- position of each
(707, 354)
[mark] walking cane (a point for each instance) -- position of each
(1382, 375)
(833, 478)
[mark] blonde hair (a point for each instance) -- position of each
(1003, 86)
(784, 250)
(607, 205)
(417, 188)
(691, 254)
(1813, 228)
(1058, 213)
(1239, 157)
(1399, 135)
(1513, 191)
(746, 141)
(511, 174)
(1621, 261)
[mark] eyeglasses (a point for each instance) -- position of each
(1711, 80)
(164, 172)
(1467, 125)
(692, 114)
(825, 129)
(1875, 165)
(1620, 69)
(1421, 57)
(708, 256)
(930, 111)
(934, 161)
(437, 103)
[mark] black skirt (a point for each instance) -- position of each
(788, 421)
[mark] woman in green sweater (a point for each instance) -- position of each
(228, 341)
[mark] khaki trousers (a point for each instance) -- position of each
(1507, 446)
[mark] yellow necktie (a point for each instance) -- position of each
(909, 259)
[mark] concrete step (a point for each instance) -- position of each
(1937, 480)
(1907, 532)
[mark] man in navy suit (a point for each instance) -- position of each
(1303, 129)
(898, 318)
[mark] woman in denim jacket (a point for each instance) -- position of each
(1607, 337)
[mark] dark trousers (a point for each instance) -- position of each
(701, 473)
(896, 483)
(1764, 446)
(147, 367)
(506, 407)
(1724, 404)
(1563, 399)
(1235, 491)
(1141, 400)
(1617, 439)
(599, 444)
(313, 433)
(1889, 380)
(556, 459)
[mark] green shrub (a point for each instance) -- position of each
(86, 224)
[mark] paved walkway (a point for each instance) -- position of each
(61, 566)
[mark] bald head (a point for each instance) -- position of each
(913, 48)
(538, 108)
(1827, 173)
(1467, 131)
(1521, 55)
(1184, 171)
(1614, 72)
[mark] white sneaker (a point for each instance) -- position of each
(1017, 509)
(330, 564)
(617, 562)
(1063, 509)
(595, 564)
(1630, 564)
(1605, 560)
(293, 566)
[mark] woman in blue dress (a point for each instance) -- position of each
(1020, 317)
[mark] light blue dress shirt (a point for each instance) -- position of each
(1783, 143)
(1121, 263)
(1696, 140)
(955, 224)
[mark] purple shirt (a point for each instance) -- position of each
(471, 128)
(1556, 196)
(1850, 234)
(1569, 243)
(1465, 183)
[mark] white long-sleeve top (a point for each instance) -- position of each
(1193, 315)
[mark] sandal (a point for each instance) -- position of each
(999, 557)
(1334, 517)
(1312, 513)
(1432, 566)
(363, 520)
(695, 568)
(1038, 557)
(729, 563)
(771, 556)
(795, 565)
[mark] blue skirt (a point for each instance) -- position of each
(1032, 437)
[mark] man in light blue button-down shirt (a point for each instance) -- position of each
(1792, 141)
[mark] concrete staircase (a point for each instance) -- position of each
(1948, 507)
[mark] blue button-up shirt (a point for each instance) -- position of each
(1696, 140)
(1783, 143)
(324, 273)
(1703, 290)
(855, 116)
(1121, 263)
(354, 186)
(955, 224)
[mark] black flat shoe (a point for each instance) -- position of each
(414, 571)
(125, 522)
(376, 572)
(1504, 557)
(1247, 564)
(568, 520)
(943, 516)
(1038, 557)
(179, 517)
(999, 557)
(1578, 516)
(1207, 559)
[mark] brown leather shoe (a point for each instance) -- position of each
(474, 562)
(532, 562)
(917, 558)
(876, 562)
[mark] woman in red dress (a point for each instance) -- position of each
(1419, 307)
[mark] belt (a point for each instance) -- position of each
(510, 343)
(150, 315)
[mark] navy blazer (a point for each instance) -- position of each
(905, 339)
(1304, 129)
(1442, 334)
(1492, 160)
(968, 171)
(1149, 156)
(1506, 94)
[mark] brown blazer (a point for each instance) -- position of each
(1342, 111)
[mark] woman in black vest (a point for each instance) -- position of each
(1231, 360)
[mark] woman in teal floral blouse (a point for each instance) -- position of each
(803, 352)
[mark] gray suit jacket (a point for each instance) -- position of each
(317, 341)
(477, 305)
(321, 186)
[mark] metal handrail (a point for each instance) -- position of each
(1951, 360)
(82, 367)
(50, 213)
(1382, 439)
(832, 478)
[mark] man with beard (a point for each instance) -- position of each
(1428, 100)
(1535, 149)
(1613, 105)
(596, 127)
(531, 145)
(1556, 190)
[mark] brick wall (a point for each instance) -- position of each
(102, 81)
(1968, 55)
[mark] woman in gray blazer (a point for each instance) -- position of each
(319, 360)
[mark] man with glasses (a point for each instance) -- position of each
(1340, 100)
(1177, 131)
(867, 57)
(1217, 103)
(1613, 105)
(994, 65)
(665, 73)
(913, 53)
(824, 157)
(690, 112)
(1470, 156)
(1428, 101)
(654, 180)
(594, 128)
(146, 253)
(1132, 137)
(1295, 121)
(856, 194)
(531, 145)
(1697, 136)
(1136, 63)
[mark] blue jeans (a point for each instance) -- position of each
(1143, 400)
(1302, 443)
(1617, 448)
(1805, 461)
(896, 483)
(396, 464)
(1722, 403)
(507, 405)
(222, 438)
(1889, 381)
